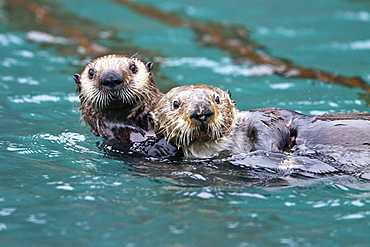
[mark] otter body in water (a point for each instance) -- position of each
(202, 120)
(341, 139)
(116, 94)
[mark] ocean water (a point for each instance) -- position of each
(59, 187)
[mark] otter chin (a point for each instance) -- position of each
(116, 94)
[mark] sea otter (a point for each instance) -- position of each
(116, 94)
(202, 120)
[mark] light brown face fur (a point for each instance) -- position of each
(196, 118)
(136, 86)
(117, 91)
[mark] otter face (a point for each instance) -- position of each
(194, 114)
(114, 79)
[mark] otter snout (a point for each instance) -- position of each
(111, 79)
(202, 115)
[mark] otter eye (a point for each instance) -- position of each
(133, 68)
(176, 104)
(91, 73)
(217, 99)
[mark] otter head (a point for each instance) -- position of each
(196, 118)
(117, 92)
(115, 81)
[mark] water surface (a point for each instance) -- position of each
(59, 187)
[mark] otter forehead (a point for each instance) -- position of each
(193, 94)
(196, 91)
(113, 62)
(200, 87)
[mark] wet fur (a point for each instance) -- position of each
(340, 139)
(176, 126)
(229, 128)
(120, 113)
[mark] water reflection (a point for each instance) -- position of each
(256, 169)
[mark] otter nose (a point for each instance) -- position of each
(202, 115)
(111, 79)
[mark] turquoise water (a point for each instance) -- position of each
(58, 187)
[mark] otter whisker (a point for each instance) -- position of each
(187, 136)
(135, 54)
(129, 101)
(218, 129)
(171, 134)
(223, 125)
(233, 137)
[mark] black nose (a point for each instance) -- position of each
(202, 115)
(111, 79)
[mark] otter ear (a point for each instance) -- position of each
(228, 92)
(149, 67)
(77, 79)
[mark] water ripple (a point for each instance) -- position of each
(7, 211)
(49, 144)
(224, 67)
(6, 39)
(359, 215)
(38, 99)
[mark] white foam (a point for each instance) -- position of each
(223, 67)
(357, 16)
(360, 45)
(42, 37)
(282, 86)
(205, 195)
(360, 215)
(35, 99)
(7, 211)
(246, 194)
(89, 198)
(64, 187)
(8, 39)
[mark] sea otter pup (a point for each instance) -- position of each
(116, 94)
(202, 120)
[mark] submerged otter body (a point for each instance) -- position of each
(116, 94)
(202, 120)
(340, 139)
